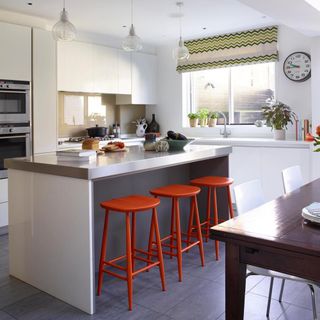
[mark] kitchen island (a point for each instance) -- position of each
(55, 221)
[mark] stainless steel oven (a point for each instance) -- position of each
(14, 102)
(15, 141)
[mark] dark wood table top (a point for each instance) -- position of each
(277, 224)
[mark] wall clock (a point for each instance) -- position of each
(297, 66)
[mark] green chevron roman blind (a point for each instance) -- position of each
(252, 46)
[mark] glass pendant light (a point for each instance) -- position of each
(64, 30)
(180, 53)
(132, 42)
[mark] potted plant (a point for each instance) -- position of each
(277, 116)
(193, 119)
(203, 116)
(212, 119)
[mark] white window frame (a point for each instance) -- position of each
(189, 94)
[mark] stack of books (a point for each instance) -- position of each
(76, 155)
(312, 212)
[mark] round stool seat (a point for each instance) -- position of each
(131, 203)
(212, 181)
(175, 190)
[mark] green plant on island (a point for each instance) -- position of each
(277, 115)
(213, 115)
(193, 115)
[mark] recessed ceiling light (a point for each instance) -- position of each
(124, 26)
(314, 3)
(204, 28)
(29, 3)
(263, 17)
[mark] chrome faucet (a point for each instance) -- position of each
(225, 133)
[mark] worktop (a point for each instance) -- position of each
(116, 163)
(254, 142)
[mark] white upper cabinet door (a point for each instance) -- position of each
(15, 53)
(75, 67)
(144, 76)
(124, 72)
(105, 69)
(44, 92)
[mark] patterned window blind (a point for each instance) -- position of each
(240, 48)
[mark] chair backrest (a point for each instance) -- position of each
(292, 178)
(248, 196)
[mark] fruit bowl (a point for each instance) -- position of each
(177, 145)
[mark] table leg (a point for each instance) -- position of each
(235, 283)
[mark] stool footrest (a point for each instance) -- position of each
(153, 264)
(115, 274)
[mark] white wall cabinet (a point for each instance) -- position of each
(266, 164)
(44, 92)
(75, 66)
(15, 53)
(144, 80)
(124, 72)
(84, 67)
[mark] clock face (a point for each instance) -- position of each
(297, 66)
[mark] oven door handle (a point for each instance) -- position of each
(13, 91)
(13, 137)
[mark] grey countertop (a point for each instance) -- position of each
(117, 163)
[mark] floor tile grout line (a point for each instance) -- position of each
(8, 314)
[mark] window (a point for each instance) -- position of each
(239, 92)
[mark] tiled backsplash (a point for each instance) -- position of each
(78, 111)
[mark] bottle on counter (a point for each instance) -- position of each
(118, 130)
(154, 125)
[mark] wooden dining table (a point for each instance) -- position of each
(273, 236)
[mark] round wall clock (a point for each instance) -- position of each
(297, 66)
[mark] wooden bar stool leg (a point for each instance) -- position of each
(194, 200)
(172, 228)
(103, 251)
(215, 219)
(158, 241)
(150, 241)
(129, 260)
(190, 224)
(208, 214)
(133, 238)
(178, 232)
(230, 204)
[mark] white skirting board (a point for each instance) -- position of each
(51, 235)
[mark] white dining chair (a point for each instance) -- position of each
(248, 196)
(292, 179)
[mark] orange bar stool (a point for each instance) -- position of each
(175, 192)
(212, 183)
(131, 204)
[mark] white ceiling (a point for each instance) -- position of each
(153, 18)
(297, 14)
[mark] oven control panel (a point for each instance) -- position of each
(8, 130)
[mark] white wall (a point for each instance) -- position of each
(169, 109)
(315, 86)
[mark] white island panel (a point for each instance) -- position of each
(50, 235)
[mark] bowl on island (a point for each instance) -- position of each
(177, 145)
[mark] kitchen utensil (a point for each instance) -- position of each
(177, 145)
(97, 131)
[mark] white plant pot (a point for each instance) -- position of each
(193, 122)
(279, 134)
(203, 122)
(212, 122)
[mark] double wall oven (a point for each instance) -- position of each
(15, 131)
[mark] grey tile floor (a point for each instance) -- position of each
(199, 296)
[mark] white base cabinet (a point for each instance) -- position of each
(3, 202)
(266, 164)
(15, 53)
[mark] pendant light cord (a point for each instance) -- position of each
(180, 17)
(131, 11)
(64, 4)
